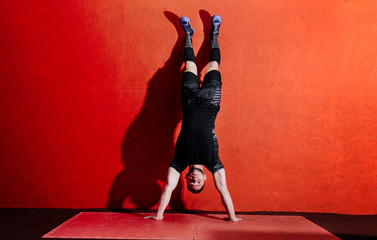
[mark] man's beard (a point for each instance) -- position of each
(193, 169)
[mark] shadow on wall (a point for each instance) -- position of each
(147, 147)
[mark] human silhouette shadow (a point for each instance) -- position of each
(148, 147)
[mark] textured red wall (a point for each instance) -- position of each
(89, 101)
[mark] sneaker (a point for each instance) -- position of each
(185, 22)
(216, 21)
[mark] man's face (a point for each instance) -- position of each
(195, 178)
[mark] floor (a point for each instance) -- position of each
(34, 223)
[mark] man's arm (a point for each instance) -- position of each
(171, 184)
(220, 181)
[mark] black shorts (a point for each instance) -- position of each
(209, 92)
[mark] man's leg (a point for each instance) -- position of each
(190, 80)
(189, 56)
(214, 58)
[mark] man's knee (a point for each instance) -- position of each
(191, 67)
(212, 66)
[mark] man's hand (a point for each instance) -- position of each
(154, 217)
(234, 219)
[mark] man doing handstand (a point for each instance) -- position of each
(197, 143)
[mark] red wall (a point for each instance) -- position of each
(89, 101)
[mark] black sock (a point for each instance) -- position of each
(215, 41)
(215, 50)
(189, 51)
(188, 43)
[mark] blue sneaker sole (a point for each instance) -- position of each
(216, 22)
(185, 22)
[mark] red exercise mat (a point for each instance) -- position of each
(110, 225)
